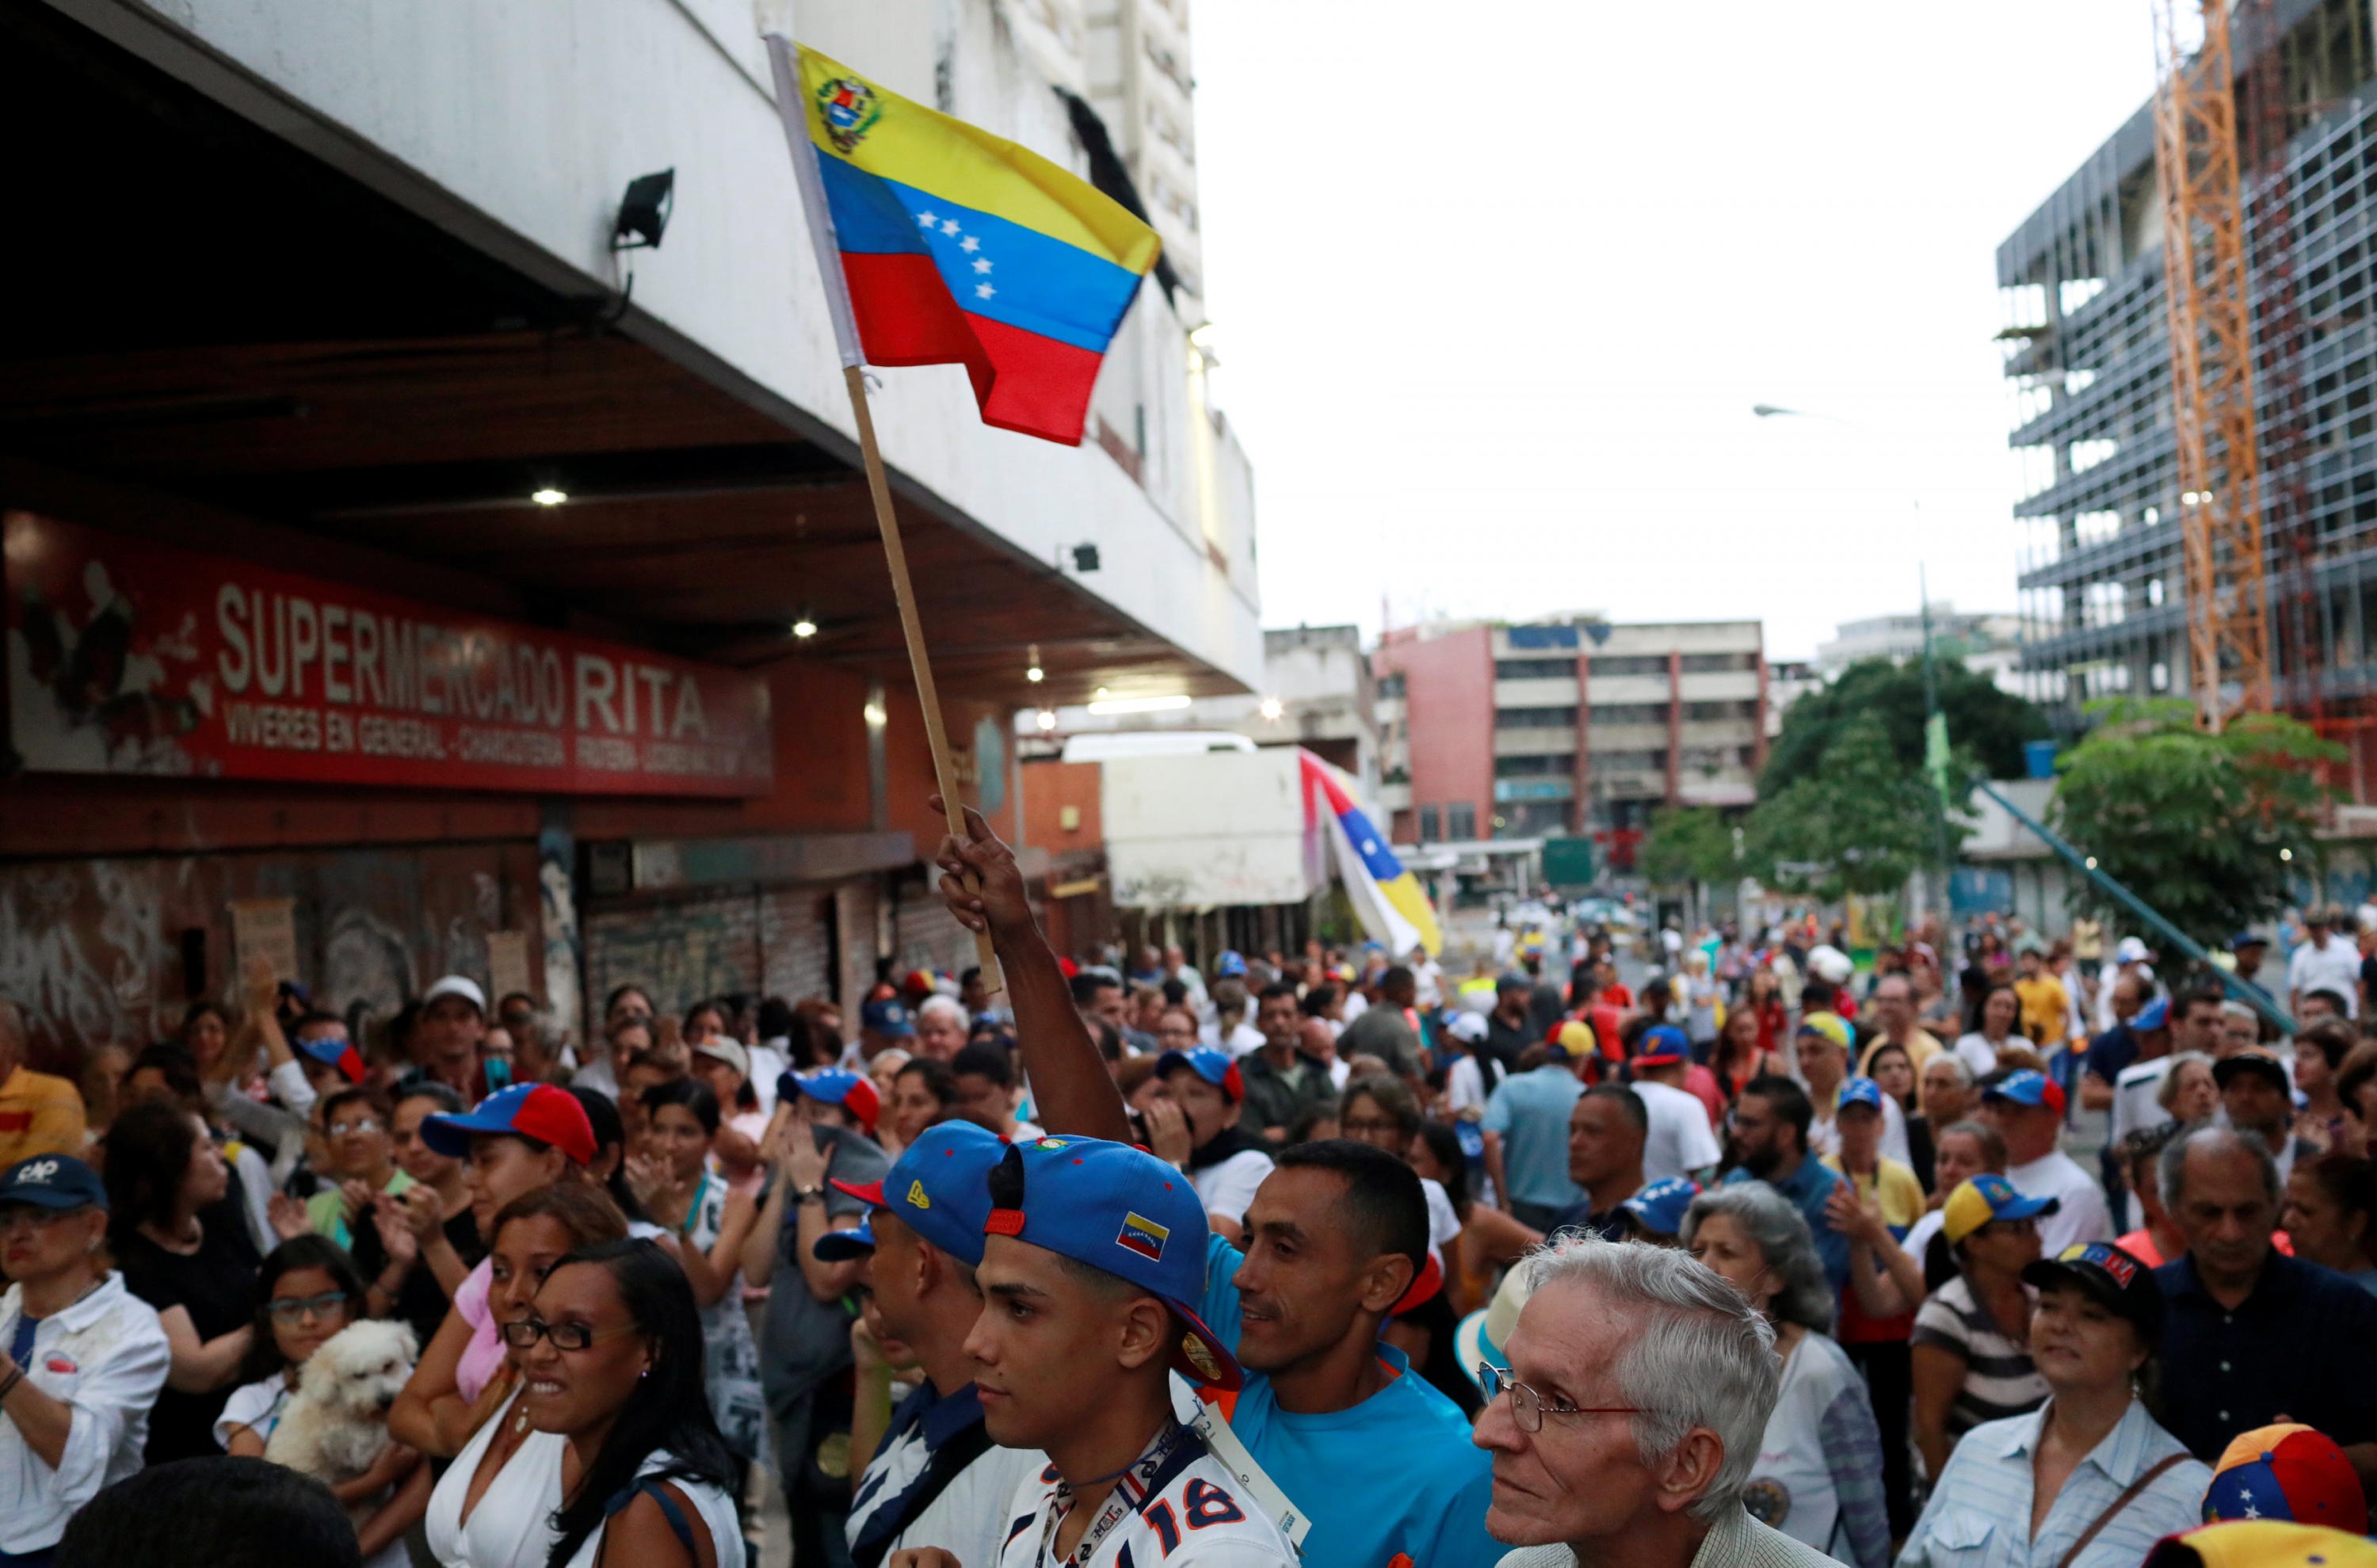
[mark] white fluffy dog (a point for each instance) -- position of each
(337, 1425)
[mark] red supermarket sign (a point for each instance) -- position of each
(127, 657)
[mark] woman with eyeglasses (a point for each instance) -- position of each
(491, 1507)
(186, 1252)
(82, 1359)
(1971, 1360)
(1817, 1477)
(307, 1291)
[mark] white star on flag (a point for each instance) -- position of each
(969, 243)
(982, 264)
(949, 226)
(927, 218)
(983, 291)
(1369, 846)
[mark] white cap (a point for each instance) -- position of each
(1831, 962)
(1468, 1026)
(718, 1048)
(457, 986)
(2131, 951)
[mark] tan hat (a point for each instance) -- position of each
(718, 1048)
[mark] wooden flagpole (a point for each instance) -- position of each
(935, 730)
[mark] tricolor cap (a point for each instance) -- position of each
(1859, 1091)
(2027, 1087)
(525, 1110)
(853, 1092)
(337, 1050)
(1662, 1047)
(1571, 1042)
(2156, 1015)
(938, 1187)
(1980, 1199)
(1831, 1026)
(1215, 1067)
(1118, 1209)
(885, 1015)
(457, 986)
(2287, 1472)
(2263, 1543)
(1659, 1208)
(56, 1182)
(840, 1246)
(2121, 1284)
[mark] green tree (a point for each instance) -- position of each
(2191, 822)
(1688, 843)
(1861, 821)
(1987, 723)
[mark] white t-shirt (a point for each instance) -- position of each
(2336, 967)
(258, 1407)
(1190, 1517)
(2081, 1214)
(2134, 1104)
(1464, 1086)
(967, 1517)
(1919, 1234)
(1791, 1485)
(1227, 1188)
(1443, 1225)
(1243, 1038)
(1680, 1140)
(1976, 1052)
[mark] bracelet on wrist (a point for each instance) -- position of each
(9, 1384)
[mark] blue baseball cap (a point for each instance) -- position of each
(1859, 1091)
(940, 1188)
(1122, 1210)
(1660, 1207)
(525, 1110)
(886, 1015)
(854, 1092)
(2027, 1087)
(59, 1182)
(2156, 1015)
(1660, 1046)
(337, 1051)
(840, 1246)
(2246, 939)
(1215, 1067)
(1229, 966)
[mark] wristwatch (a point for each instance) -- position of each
(808, 1195)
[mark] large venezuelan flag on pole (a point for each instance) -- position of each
(1389, 900)
(944, 245)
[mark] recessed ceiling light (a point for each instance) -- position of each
(804, 628)
(548, 496)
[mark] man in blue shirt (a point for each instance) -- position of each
(1376, 1460)
(1529, 1112)
(1770, 1127)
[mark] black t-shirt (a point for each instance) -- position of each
(216, 1286)
(420, 1300)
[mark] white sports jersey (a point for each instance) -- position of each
(1187, 1515)
(967, 1516)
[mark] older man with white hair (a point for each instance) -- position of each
(1625, 1429)
(941, 1028)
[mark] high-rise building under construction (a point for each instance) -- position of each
(2088, 356)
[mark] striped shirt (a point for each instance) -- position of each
(1979, 1513)
(1998, 1379)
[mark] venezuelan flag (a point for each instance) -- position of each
(1387, 898)
(960, 247)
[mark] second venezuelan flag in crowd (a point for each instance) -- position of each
(960, 247)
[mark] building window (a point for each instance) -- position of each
(1534, 767)
(1534, 718)
(1428, 830)
(1392, 686)
(1461, 820)
(1629, 713)
(1629, 665)
(1700, 664)
(1705, 713)
(1534, 669)
(1629, 762)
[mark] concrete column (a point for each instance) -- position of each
(1675, 727)
(1580, 821)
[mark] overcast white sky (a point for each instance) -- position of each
(1495, 287)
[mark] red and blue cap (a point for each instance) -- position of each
(525, 1110)
(1662, 1047)
(337, 1050)
(940, 1188)
(2027, 1087)
(853, 1092)
(1215, 1067)
(1121, 1210)
(1659, 1208)
(2287, 1472)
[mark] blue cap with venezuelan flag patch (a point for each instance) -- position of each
(1122, 1210)
(938, 1187)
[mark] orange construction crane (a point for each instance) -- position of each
(2209, 313)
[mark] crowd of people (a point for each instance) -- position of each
(1292, 1260)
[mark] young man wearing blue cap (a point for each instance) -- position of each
(936, 1478)
(82, 1359)
(1378, 1461)
(2026, 1109)
(1092, 1256)
(1680, 1144)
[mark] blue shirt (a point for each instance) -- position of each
(1979, 1513)
(1807, 1187)
(2231, 1372)
(1529, 1112)
(1396, 1473)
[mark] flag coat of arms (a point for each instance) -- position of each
(950, 245)
(1387, 900)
